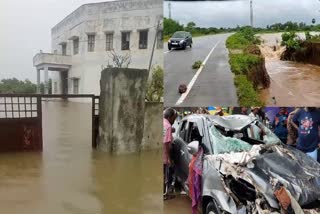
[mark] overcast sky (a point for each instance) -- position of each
(233, 13)
(25, 29)
(26, 24)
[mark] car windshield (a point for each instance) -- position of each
(179, 35)
(223, 144)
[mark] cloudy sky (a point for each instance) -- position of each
(25, 29)
(233, 13)
(25, 25)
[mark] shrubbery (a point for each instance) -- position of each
(240, 63)
(246, 93)
(291, 40)
(155, 86)
(197, 64)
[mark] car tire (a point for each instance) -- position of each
(190, 45)
(212, 208)
(184, 46)
(169, 47)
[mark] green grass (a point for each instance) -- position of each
(197, 64)
(241, 63)
(237, 41)
(247, 95)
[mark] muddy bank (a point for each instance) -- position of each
(309, 53)
(257, 73)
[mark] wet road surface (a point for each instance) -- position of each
(213, 85)
(69, 177)
(292, 83)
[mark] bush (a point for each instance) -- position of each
(246, 93)
(155, 86)
(170, 26)
(241, 63)
(242, 39)
(197, 64)
(291, 41)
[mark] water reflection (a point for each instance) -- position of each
(233, 13)
(69, 177)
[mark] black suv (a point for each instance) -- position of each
(180, 39)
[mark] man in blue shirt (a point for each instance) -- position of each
(280, 124)
(308, 121)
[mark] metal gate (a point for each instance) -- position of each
(21, 120)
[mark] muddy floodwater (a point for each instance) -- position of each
(292, 83)
(181, 204)
(70, 177)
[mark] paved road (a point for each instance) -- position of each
(211, 85)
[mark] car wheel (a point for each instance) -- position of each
(212, 208)
(190, 45)
(169, 47)
(184, 46)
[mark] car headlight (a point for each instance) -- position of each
(169, 41)
(182, 41)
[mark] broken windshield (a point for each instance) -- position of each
(223, 144)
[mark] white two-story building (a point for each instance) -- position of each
(83, 43)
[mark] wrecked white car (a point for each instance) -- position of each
(246, 168)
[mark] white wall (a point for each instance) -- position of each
(130, 15)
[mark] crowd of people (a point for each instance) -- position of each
(297, 127)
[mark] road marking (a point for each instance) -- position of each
(193, 80)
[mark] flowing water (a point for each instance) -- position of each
(70, 177)
(292, 83)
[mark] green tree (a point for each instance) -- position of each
(16, 86)
(170, 26)
(191, 27)
(155, 86)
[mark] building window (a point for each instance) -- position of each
(125, 40)
(76, 46)
(160, 39)
(55, 88)
(91, 41)
(143, 39)
(64, 49)
(109, 41)
(75, 86)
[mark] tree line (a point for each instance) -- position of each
(15, 86)
(171, 26)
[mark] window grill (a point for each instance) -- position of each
(143, 39)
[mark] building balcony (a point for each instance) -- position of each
(53, 62)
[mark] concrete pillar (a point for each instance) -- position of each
(38, 81)
(46, 80)
(122, 109)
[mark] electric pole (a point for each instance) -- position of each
(169, 5)
(251, 14)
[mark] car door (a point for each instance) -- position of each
(183, 157)
(180, 154)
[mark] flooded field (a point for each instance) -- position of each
(292, 83)
(70, 177)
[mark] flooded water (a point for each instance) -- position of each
(70, 177)
(179, 205)
(292, 83)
